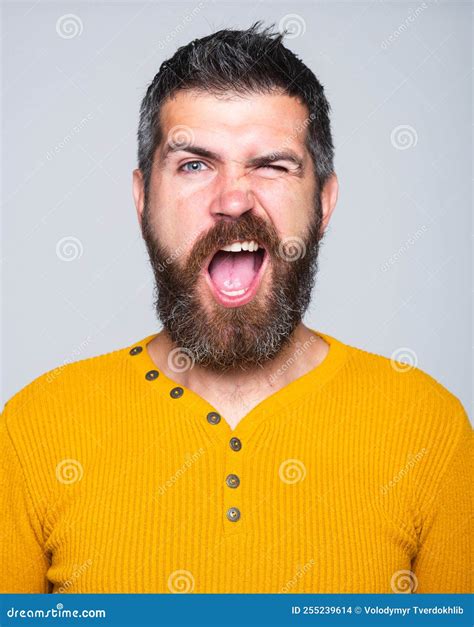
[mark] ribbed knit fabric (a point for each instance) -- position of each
(354, 478)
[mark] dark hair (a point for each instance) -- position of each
(242, 61)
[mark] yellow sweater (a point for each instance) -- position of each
(353, 478)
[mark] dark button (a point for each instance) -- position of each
(233, 514)
(235, 444)
(213, 417)
(176, 392)
(151, 375)
(135, 350)
(232, 481)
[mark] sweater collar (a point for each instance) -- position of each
(293, 393)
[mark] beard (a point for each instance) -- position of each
(224, 338)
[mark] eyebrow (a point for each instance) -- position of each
(193, 150)
(262, 160)
(272, 157)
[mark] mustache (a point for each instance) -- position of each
(226, 231)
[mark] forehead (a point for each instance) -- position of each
(232, 119)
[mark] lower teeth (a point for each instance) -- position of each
(237, 293)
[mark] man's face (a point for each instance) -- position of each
(232, 173)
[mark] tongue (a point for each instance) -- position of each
(232, 271)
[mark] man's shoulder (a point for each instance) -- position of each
(63, 387)
(401, 382)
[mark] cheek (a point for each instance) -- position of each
(180, 215)
(186, 194)
(290, 208)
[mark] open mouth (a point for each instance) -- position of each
(235, 271)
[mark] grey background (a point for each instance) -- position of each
(395, 269)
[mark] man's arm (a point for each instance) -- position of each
(23, 564)
(443, 563)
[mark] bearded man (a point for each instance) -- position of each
(235, 450)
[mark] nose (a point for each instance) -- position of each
(233, 199)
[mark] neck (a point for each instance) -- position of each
(238, 390)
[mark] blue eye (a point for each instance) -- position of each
(192, 166)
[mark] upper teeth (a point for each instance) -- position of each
(236, 247)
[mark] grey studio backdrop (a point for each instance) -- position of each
(395, 270)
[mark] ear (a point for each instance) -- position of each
(139, 194)
(329, 195)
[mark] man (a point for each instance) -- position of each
(237, 450)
